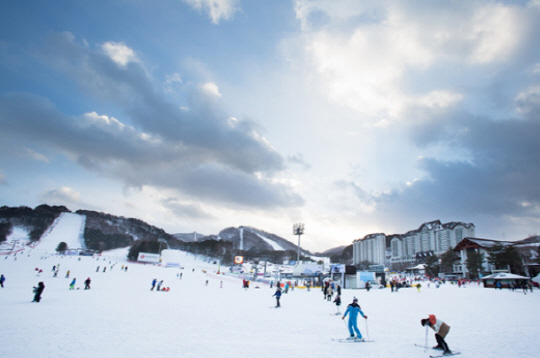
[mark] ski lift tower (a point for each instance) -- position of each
(298, 229)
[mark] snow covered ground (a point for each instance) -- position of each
(121, 317)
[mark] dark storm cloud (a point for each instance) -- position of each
(500, 177)
(198, 152)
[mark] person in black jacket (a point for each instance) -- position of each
(38, 291)
(277, 295)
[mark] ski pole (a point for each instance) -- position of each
(367, 330)
(425, 345)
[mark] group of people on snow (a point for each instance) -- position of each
(158, 288)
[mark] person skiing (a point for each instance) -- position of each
(154, 281)
(441, 330)
(38, 291)
(72, 284)
(87, 283)
(2, 279)
(353, 310)
(277, 294)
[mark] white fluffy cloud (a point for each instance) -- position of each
(119, 52)
(371, 56)
(217, 9)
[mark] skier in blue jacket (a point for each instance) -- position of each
(354, 309)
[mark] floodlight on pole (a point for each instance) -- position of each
(298, 229)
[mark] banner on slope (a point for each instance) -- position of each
(148, 257)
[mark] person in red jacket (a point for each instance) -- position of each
(441, 330)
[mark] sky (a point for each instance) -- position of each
(352, 117)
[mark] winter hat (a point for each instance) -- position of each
(355, 299)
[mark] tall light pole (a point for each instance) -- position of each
(298, 229)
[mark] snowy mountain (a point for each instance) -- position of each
(189, 237)
(101, 231)
(252, 239)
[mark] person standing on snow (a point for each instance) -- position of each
(277, 295)
(72, 284)
(353, 310)
(441, 330)
(38, 291)
(154, 281)
(337, 301)
(2, 279)
(87, 283)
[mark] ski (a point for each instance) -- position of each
(425, 347)
(446, 355)
(348, 340)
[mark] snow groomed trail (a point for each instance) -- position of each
(68, 228)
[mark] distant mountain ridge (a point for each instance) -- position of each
(104, 231)
(190, 237)
(252, 239)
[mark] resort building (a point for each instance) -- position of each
(430, 238)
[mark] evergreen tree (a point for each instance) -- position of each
(432, 266)
(505, 257)
(61, 247)
(474, 263)
(447, 261)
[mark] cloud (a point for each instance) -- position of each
(211, 88)
(3, 180)
(455, 84)
(62, 195)
(119, 52)
(194, 151)
(381, 58)
(217, 9)
(498, 179)
(186, 210)
(35, 155)
(298, 158)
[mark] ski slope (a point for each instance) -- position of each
(68, 228)
(208, 315)
(272, 243)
